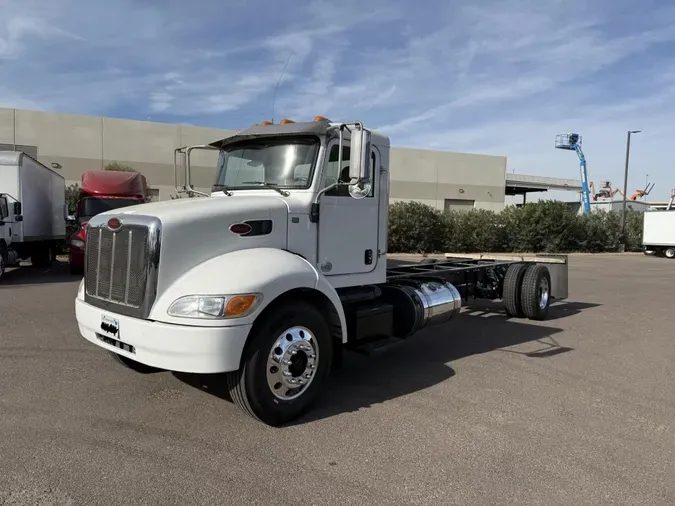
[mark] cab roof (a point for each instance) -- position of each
(275, 130)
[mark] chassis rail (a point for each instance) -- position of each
(442, 267)
(470, 271)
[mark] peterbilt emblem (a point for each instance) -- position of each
(114, 223)
(240, 228)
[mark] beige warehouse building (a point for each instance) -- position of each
(72, 144)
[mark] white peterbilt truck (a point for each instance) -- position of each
(280, 269)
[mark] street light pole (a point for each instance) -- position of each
(625, 190)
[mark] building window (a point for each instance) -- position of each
(459, 204)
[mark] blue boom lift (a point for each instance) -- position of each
(572, 142)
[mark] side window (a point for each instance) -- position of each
(4, 210)
(333, 173)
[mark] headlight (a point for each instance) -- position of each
(213, 306)
(77, 243)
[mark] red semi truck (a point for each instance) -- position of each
(101, 191)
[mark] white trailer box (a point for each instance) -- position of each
(41, 223)
(658, 232)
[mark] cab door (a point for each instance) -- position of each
(348, 227)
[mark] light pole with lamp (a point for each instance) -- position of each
(625, 190)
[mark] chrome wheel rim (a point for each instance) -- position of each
(543, 293)
(292, 363)
(670, 253)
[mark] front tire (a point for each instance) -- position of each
(285, 364)
(669, 252)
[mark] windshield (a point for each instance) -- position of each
(91, 206)
(278, 163)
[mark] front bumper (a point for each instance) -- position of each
(180, 348)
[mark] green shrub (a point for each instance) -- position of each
(475, 230)
(547, 226)
(634, 231)
(417, 228)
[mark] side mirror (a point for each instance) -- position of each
(17, 208)
(19, 218)
(360, 155)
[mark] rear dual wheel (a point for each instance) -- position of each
(527, 291)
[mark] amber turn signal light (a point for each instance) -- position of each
(238, 305)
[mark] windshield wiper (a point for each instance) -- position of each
(221, 187)
(269, 185)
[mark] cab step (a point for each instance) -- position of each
(378, 346)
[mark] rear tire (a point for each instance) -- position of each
(133, 365)
(536, 292)
(293, 338)
(669, 252)
(511, 292)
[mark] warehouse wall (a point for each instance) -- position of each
(448, 180)
(79, 143)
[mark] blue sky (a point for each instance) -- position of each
(490, 76)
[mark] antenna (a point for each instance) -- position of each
(274, 100)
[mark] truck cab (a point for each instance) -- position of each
(277, 270)
(101, 191)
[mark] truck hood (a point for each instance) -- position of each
(197, 229)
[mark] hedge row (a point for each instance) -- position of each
(543, 227)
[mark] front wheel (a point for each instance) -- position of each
(285, 364)
(669, 252)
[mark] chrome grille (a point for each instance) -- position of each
(117, 264)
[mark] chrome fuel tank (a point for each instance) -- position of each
(420, 303)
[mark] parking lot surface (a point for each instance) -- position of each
(579, 409)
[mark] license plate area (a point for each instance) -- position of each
(110, 326)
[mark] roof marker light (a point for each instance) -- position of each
(286, 121)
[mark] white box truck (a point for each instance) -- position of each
(658, 233)
(33, 210)
(279, 269)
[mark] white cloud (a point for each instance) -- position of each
(494, 76)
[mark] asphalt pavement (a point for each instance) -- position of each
(579, 409)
